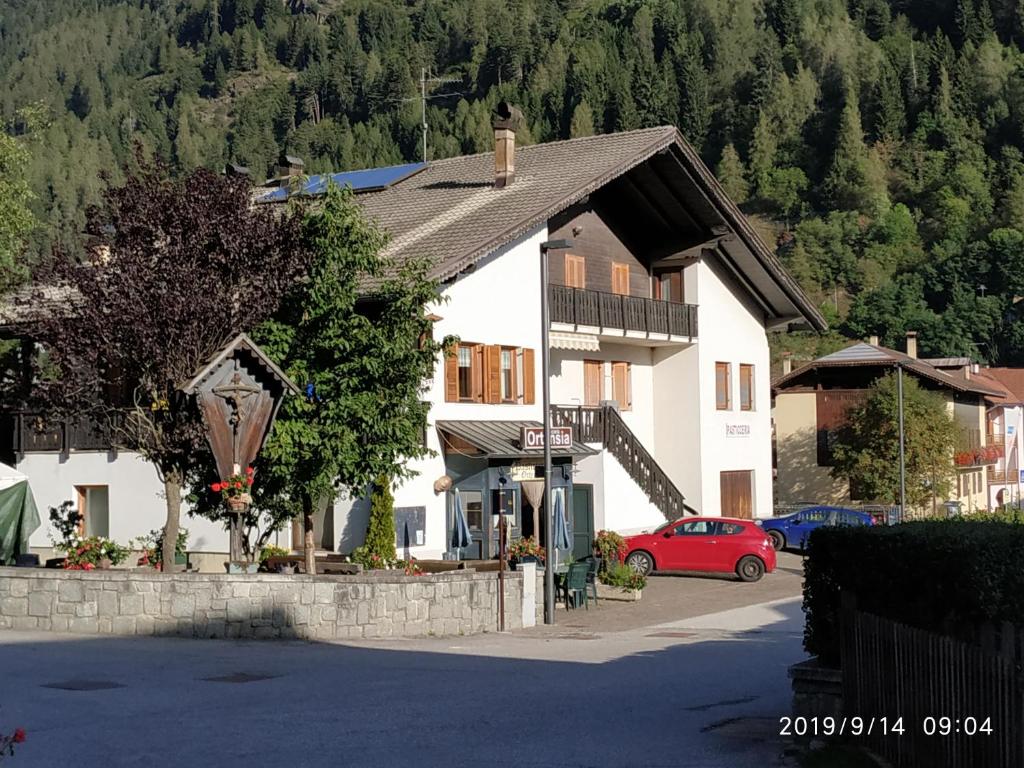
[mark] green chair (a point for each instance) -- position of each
(576, 585)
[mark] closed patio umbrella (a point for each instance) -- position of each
(460, 527)
(18, 514)
(561, 524)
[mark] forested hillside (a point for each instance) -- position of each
(879, 142)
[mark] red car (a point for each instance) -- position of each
(712, 544)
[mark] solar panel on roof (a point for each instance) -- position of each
(360, 181)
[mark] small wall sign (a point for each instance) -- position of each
(520, 472)
(737, 430)
(532, 438)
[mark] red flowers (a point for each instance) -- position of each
(216, 487)
(19, 735)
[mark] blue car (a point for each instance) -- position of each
(793, 530)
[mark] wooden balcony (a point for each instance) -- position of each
(24, 432)
(610, 312)
(1002, 475)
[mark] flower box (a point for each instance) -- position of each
(608, 592)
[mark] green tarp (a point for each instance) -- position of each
(18, 519)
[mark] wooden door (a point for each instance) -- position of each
(575, 271)
(620, 278)
(593, 382)
(737, 494)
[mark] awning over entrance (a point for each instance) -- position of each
(579, 342)
(499, 440)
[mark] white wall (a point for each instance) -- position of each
(731, 329)
(498, 302)
(619, 503)
(136, 496)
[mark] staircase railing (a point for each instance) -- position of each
(606, 426)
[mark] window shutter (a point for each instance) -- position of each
(621, 385)
(528, 378)
(492, 374)
(593, 378)
(620, 278)
(451, 377)
(478, 373)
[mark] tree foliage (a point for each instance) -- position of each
(380, 532)
(866, 452)
(356, 336)
(174, 271)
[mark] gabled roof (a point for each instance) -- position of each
(862, 354)
(451, 213)
(241, 341)
(1009, 380)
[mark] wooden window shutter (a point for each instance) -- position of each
(492, 374)
(451, 377)
(593, 380)
(529, 396)
(621, 385)
(575, 271)
(478, 373)
(620, 278)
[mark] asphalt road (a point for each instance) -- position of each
(670, 690)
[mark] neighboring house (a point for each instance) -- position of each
(811, 403)
(659, 349)
(1004, 426)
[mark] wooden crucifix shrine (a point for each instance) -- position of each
(238, 392)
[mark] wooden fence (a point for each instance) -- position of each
(959, 704)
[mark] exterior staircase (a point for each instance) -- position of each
(605, 425)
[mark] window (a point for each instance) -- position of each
(465, 372)
(482, 373)
(729, 529)
(746, 387)
(508, 375)
(668, 285)
(696, 528)
(593, 382)
(508, 500)
(622, 390)
(723, 385)
(575, 271)
(473, 507)
(620, 278)
(94, 508)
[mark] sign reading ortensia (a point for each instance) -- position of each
(239, 392)
(532, 438)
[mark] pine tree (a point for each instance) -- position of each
(186, 153)
(889, 112)
(763, 148)
(846, 185)
(694, 106)
(582, 123)
(732, 175)
(380, 532)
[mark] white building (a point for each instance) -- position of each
(659, 350)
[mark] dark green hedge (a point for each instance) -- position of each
(946, 576)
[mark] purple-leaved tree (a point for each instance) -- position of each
(175, 269)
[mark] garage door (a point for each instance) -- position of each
(737, 494)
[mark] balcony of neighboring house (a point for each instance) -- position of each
(636, 318)
(978, 449)
(24, 432)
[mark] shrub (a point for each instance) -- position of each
(525, 547)
(611, 546)
(380, 533)
(621, 575)
(947, 576)
(86, 554)
(371, 561)
(271, 550)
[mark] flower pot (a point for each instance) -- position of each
(237, 503)
(105, 564)
(286, 570)
(241, 567)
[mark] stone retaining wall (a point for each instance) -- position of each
(260, 605)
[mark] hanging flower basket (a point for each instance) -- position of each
(235, 490)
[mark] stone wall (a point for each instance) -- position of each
(260, 605)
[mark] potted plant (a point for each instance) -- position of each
(625, 583)
(525, 550)
(152, 548)
(269, 551)
(235, 490)
(611, 547)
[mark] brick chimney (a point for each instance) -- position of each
(787, 363)
(873, 341)
(506, 121)
(911, 343)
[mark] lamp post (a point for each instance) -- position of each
(545, 361)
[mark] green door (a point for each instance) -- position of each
(582, 521)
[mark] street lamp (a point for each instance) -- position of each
(903, 460)
(545, 361)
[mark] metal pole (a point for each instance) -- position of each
(903, 458)
(545, 362)
(501, 555)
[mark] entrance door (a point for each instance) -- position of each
(582, 521)
(737, 494)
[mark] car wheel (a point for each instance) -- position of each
(640, 562)
(778, 540)
(750, 568)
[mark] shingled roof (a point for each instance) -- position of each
(862, 354)
(451, 213)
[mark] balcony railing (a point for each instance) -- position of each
(596, 309)
(1003, 476)
(24, 432)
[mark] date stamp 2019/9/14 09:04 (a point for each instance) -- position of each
(895, 726)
